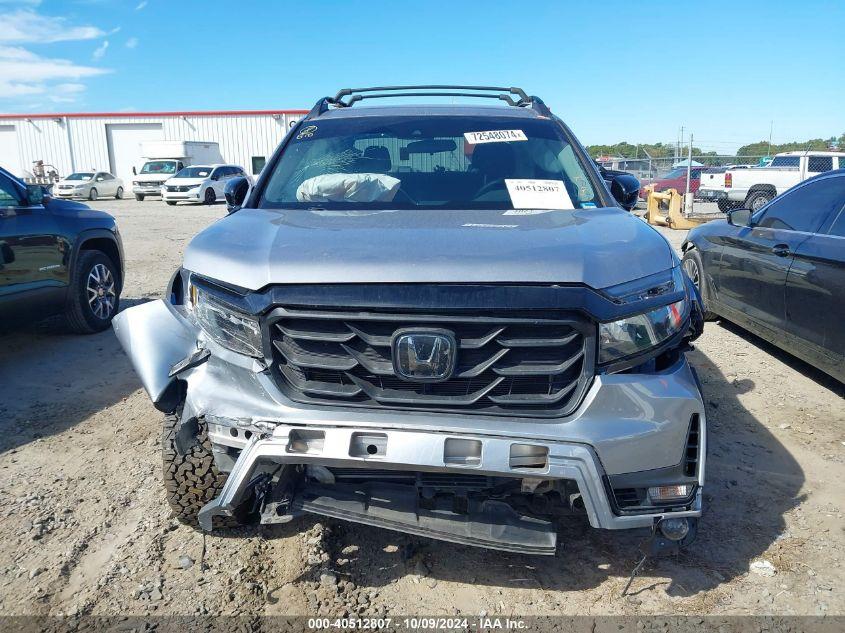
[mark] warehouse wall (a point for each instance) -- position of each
(81, 143)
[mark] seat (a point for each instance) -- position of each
(376, 159)
(494, 161)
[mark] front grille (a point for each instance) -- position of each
(175, 189)
(65, 186)
(420, 479)
(504, 365)
(149, 183)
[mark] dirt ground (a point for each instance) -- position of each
(84, 527)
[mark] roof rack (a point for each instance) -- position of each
(437, 90)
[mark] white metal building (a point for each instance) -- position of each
(110, 141)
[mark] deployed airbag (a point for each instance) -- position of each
(348, 188)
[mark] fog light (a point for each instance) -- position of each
(670, 493)
(674, 529)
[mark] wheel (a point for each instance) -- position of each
(190, 480)
(726, 205)
(139, 197)
(94, 293)
(209, 197)
(92, 195)
(695, 270)
(118, 195)
(757, 200)
(170, 202)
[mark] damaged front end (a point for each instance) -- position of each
(623, 448)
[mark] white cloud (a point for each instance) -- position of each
(101, 50)
(132, 42)
(25, 25)
(141, 5)
(22, 72)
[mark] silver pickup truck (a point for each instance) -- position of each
(432, 319)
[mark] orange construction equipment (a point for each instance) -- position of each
(669, 203)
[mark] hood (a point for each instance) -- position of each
(73, 182)
(599, 247)
(184, 182)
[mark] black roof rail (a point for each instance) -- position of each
(434, 90)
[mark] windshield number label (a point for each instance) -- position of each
(538, 194)
(494, 136)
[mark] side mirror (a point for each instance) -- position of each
(739, 217)
(625, 189)
(134, 171)
(7, 255)
(235, 192)
(36, 194)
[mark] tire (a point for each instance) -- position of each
(695, 269)
(118, 195)
(725, 205)
(757, 200)
(190, 480)
(139, 197)
(92, 195)
(171, 203)
(209, 197)
(93, 294)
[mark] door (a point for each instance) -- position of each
(222, 175)
(815, 286)
(106, 184)
(755, 260)
(9, 157)
(33, 266)
(124, 147)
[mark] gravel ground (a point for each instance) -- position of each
(85, 527)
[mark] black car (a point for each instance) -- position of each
(56, 257)
(780, 272)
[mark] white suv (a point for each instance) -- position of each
(200, 183)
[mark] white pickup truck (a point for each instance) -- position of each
(753, 188)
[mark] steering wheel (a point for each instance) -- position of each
(490, 186)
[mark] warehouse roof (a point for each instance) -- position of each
(94, 115)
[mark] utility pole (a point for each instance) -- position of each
(687, 196)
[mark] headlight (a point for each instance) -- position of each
(233, 330)
(638, 333)
(136, 182)
(80, 186)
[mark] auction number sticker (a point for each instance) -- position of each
(495, 136)
(538, 194)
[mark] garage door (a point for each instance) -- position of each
(9, 158)
(124, 148)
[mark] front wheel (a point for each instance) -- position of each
(94, 293)
(139, 197)
(171, 203)
(92, 195)
(190, 480)
(210, 197)
(118, 195)
(695, 270)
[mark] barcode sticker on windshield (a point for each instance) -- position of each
(494, 136)
(538, 194)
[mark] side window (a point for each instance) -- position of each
(107, 176)
(838, 227)
(786, 161)
(258, 163)
(818, 164)
(8, 194)
(216, 173)
(805, 208)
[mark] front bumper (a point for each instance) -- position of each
(713, 195)
(627, 424)
(180, 196)
(146, 190)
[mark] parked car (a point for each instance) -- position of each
(164, 159)
(780, 271)
(89, 185)
(433, 319)
(755, 188)
(200, 183)
(56, 257)
(712, 184)
(676, 179)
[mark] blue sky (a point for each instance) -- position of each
(614, 70)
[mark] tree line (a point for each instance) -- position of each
(667, 150)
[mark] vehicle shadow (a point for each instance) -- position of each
(752, 481)
(50, 380)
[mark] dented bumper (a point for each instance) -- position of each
(629, 428)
